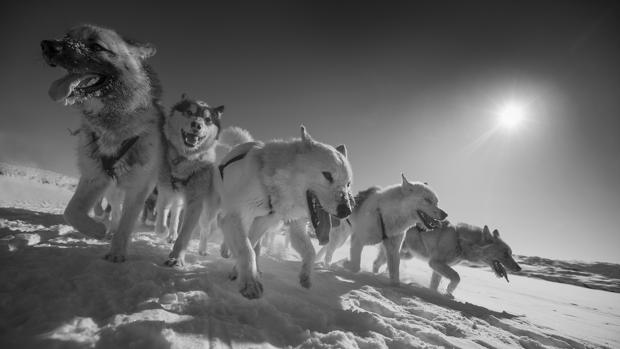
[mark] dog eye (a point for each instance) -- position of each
(96, 47)
(328, 176)
(187, 112)
(348, 184)
(429, 201)
(208, 120)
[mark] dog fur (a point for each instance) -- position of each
(451, 244)
(266, 184)
(186, 179)
(119, 143)
(384, 215)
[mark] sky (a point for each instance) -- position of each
(410, 87)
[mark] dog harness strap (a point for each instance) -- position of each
(175, 180)
(236, 158)
(383, 235)
(108, 161)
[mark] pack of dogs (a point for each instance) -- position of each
(184, 171)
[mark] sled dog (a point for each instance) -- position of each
(383, 215)
(265, 184)
(118, 94)
(186, 179)
(450, 244)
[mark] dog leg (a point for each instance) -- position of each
(87, 193)
(208, 222)
(206, 230)
(163, 210)
(447, 272)
(134, 200)
(392, 249)
(237, 240)
(380, 260)
(302, 244)
(435, 279)
(191, 216)
(175, 219)
(355, 257)
(115, 200)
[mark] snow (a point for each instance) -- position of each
(57, 292)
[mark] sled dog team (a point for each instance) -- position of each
(207, 177)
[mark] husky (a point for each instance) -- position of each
(383, 215)
(186, 179)
(265, 184)
(450, 244)
(120, 143)
(207, 154)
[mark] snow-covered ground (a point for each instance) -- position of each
(57, 292)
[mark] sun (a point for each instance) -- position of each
(511, 115)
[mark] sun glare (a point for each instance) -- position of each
(511, 115)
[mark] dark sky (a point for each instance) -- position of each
(410, 87)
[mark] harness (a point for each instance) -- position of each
(382, 224)
(109, 161)
(175, 180)
(236, 158)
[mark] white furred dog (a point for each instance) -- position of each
(383, 215)
(264, 185)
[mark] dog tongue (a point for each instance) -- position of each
(63, 87)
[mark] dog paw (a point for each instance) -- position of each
(174, 262)
(351, 267)
(251, 289)
(304, 280)
(114, 258)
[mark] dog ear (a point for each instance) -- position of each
(486, 234)
(144, 50)
(405, 181)
(342, 149)
(496, 234)
(218, 111)
(305, 136)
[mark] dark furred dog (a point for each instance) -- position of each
(120, 136)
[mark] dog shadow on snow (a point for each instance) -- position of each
(136, 301)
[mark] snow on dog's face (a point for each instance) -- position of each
(423, 200)
(325, 175)
(192, 125)
(497, 254)
(100, 65)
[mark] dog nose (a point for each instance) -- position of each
(442, 215)
(50, 48)
(196, 125)
(343, 211)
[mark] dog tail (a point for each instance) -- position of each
(229, 138)
(363, 195)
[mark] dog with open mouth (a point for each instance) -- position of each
(448, 245)
(383, 216)
(265, 184)
(120, 143)
(186, 179)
